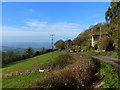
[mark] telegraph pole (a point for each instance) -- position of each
(52, 35)
(100, 38)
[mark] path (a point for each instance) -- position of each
(113, 61)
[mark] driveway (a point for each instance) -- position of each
(113, 61)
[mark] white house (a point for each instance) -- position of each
(94, 39)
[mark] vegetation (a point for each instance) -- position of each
(113, 17)
(60, 62)
(68, 43)
(107, 76)
(96, 53)
(110, 33)
(13, 56)
(31, 63)
(106, 43)
(70, 70)
(21, 81)
(29, 52)
(60, 44)
(76, 74)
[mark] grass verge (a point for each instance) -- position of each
(108, 76)
(96, 53)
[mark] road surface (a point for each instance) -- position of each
(113, 61)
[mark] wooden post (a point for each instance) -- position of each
(100, 38)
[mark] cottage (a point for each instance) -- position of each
(105, 38)
(94, 39)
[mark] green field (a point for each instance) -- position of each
(23, 81)
(31, 63)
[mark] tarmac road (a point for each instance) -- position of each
(113, 61)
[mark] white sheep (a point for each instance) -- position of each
(41, 70)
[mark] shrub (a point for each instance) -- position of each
(37, 53)
(73, 75)
(61, 61)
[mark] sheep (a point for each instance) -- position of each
(41, 70)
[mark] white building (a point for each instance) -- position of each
(94, 39)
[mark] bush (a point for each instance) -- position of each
(37, 53)
(61, 61)
(74, 75)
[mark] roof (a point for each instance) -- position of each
(95, 36)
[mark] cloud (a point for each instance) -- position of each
(46, 26)
(35, 29)
(35, 23)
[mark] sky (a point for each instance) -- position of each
(35, 21)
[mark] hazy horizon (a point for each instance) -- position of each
(24, 45)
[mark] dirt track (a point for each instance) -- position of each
(114, 62)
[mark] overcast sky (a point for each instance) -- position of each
(35, 21)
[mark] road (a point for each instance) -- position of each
(113, 61)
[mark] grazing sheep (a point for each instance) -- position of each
(41, 70)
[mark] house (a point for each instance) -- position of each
(94, 39)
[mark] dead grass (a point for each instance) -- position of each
(75, 73)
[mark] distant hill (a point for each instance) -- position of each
(25, 45)
(21, 46)
(7, 48)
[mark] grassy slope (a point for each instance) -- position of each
(23, 81)
(96, 53)
(108, 76)
(31, 63)
(114, 55)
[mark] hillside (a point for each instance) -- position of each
(22, 81)
(31, 63)
(65, 70)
